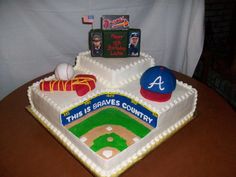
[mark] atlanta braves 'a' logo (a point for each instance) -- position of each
(158, 81)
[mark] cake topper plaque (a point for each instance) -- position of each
(115, 22)
(115, 39)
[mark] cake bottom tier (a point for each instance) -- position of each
(163, 121)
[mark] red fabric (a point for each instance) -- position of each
(153, 96)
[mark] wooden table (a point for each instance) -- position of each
(205, 147)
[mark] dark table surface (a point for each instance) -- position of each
(206, 147)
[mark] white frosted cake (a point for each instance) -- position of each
(112, 126)
(114, 72)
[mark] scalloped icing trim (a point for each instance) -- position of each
(35, 88)
(112, 85)
(125, 93)
(91, 60)
(137, 155)
(117, 71)
(124, 164)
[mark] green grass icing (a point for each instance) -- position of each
(117, 142)
(110, 116)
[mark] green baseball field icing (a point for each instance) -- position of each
(103, 141)
(111, 116)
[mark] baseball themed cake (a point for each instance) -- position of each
(115, 105)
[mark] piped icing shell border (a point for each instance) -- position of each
(133, 158)
(110, 90)
(112, 71)
(123, 165)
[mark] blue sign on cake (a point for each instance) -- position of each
(108, 100)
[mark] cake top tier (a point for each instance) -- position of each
(114, 72)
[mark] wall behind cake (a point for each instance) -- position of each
(37, 35)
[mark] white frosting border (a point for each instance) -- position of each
(123, 165)
(113, 72)
(133, 158)
(123, 92)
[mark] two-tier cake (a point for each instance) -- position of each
(105, 116)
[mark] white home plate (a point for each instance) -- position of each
(107, 153)
(109, 128)
(136, 139)
(83, 139)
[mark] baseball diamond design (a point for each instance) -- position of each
(124, 129)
